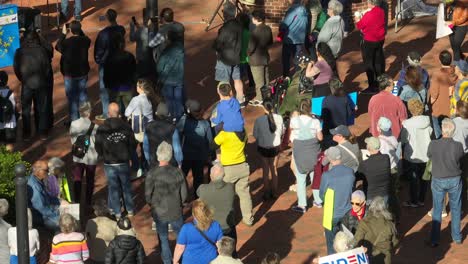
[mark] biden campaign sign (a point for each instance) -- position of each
(355, 256)
(9, 34)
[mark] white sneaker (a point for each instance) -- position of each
(139, 173)
(169, 228)
(153, 226)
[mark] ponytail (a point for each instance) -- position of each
(268, 104)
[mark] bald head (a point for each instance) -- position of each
(113, 110)
(40, 169)
(217, 172)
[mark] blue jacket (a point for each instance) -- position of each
(42, 205)
(295, 24)
(197, 138)
(340, 179)
(170, 66)
(228, 112)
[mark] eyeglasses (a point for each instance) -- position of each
(357, 204)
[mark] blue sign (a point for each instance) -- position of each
(9, 34)
(317, 105)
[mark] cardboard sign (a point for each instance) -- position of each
(442, 29)
(9, 34)
(354, 256)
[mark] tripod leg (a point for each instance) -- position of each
(216, 12)
(58, 13)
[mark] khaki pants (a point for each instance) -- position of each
(261, 77)
(239, 176)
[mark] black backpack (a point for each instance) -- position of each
(82, 143)
(6, 108)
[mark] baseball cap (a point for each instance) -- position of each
(462, 65)
(373, 143)
(341, 130)
(193, 106)
(333, 153)
(384, 124)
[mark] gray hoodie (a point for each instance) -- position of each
(415, 138)
(461, 132)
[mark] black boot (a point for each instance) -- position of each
(77, 191)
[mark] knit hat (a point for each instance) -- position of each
(414, 58)
(125, 227)
(373, 143)
(333, 153)
(384, 124)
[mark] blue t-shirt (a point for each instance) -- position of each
(197, 248)
(229, 113)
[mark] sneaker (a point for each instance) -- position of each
(242, 102)
(139, 173)
(318, 205)
(101, 117)
(444, 214)
(410, 204)
(130, 214)
(293, 188)
(153, 226)
(299, 209)
(169, 228)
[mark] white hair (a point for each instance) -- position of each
(378, 207)
(336, 7)
(343, 242)
(55, 163)
(358, 194)
(3, 207)
(164, 151)
(448, 127)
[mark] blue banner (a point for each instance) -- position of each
(9, 34)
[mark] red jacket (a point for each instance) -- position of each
(372, 25)
(390, 106)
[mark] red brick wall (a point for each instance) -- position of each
(275, 9)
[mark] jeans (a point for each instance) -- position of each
(452, 186)
(301, 188)
(75, 89)
(436, 126)
(163, 232)
(330, 235)
(290, 50)
(456, 41)
(374, 60)
(103, 93)
(119, 187)
(197, 167)
(42, 110)
(418, 186)
(80, 171)
(173, 94)
(78, 8)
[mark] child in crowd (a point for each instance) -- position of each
(57, 183)
(125, 247)
(228, 116)
(7, 113)
(34, 244)
(70, 245)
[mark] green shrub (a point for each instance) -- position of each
(8, 161)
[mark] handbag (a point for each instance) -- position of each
(205, 236)
(138, 125)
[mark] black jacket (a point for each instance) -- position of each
(74, 61)
(103, 45)
(125, 249)
(115, 141)
(33, 65)
(120, 71)
(159, 130)
(260, 40)
(166, 191)
(228, 43)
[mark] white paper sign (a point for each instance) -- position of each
(354, 256)
(9, 19)
(73, 209)
(442, 29)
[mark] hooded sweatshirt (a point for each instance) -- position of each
(461, 132)
(415, 137)
(125, 249)
(228, 112)
(115, 141)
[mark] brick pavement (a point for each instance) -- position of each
(295, 237)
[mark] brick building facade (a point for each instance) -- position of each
(275, 9)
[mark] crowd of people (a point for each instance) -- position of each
(149, 129)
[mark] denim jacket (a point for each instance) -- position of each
(170, 67)
(43, 206)
(295, 24)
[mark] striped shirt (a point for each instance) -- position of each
(69, 249)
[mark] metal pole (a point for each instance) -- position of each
(21, 214)
(152, 13)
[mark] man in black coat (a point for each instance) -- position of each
(228, 48)
(33, 68)
(74, 66)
